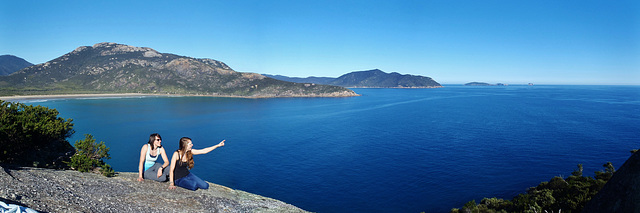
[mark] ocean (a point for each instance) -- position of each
(389, 150)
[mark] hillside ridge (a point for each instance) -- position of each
(117, 68)
(368, 79)
(10, 64)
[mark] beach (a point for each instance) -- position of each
(121, 95)
(67, 96)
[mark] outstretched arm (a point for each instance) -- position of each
(207, 150)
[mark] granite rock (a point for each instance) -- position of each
(49, 190)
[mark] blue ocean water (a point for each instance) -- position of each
(389, 150)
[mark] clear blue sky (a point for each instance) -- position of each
(494, 41)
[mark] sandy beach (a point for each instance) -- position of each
(117, 95)
(39, 97)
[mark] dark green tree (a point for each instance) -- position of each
(558, 194)
(33, 135)
(578, 171)
(608, 172)
(90, 156)
(470, 207)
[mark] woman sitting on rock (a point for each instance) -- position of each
(182, 161)
(148, 168)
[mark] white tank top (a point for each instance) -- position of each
(149, 160)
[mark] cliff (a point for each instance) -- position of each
(119, 68)
(622, 191)
(48, 190)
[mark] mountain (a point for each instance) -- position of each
(377, 78)
(312, 79)
(10, 64)
(119, 68)
(369, 79)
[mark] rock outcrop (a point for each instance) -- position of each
(622, 191)
(48, 190)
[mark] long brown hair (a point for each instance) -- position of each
(152, 138)
(182, 147)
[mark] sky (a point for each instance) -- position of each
(494, 41)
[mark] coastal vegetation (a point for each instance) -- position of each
(33, 135)
(90, 156)
(36, 136)
(569, 194)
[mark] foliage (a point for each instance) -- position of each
(91, 155)
(606, 175)
(36, 136)
(32, 135)
(559, 194)
(578, 171)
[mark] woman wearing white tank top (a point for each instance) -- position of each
(148, 168)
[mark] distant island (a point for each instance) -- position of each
(118, 68)
(368, 79)
(484, 84)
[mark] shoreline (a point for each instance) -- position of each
(73, 96)
(128, 95)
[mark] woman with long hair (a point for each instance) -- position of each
(148, 168)
(182, 162)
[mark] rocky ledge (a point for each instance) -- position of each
(48, 190)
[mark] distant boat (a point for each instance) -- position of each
(530, 84)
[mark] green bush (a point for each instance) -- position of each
(90, 156)
(559, 194)
(33, 135)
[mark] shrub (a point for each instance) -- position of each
(566, 195)
(90, 156)
(33, 135)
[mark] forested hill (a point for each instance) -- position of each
(119, 68)
(10, 64)
(369, 79)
